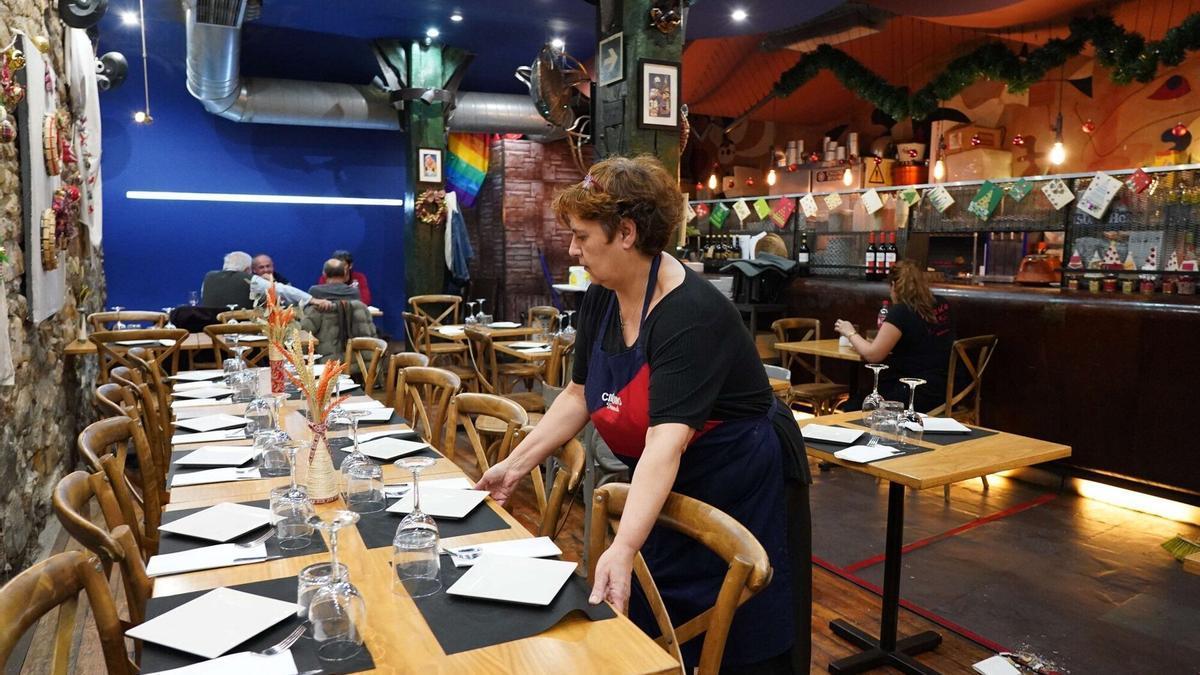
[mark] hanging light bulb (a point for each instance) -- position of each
(939, 170)
(847, 177)
(1058, 153)
(772, 178)
(712, 181)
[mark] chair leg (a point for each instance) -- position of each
(985, 483)
(946, 492)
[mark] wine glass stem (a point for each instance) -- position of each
(354, 430)
(912, 394)
(875, 390)
(416, 491)
(333, 551)
(292, 467)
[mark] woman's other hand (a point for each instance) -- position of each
(500, 481)
(844, 328)
(614, 570)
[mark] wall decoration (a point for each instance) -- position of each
(742, 209)
(762, 208)
(940, 198)
(1020, 190)
(783, 212)
(809, 204)
(832, 201)
(429, 165)
(430, 206)
(85, 93)
(1099, 194)
(611, 60)
(1058, 193)
(871, 201)
(1138, 181)
(985, 200)
(719, 213)
(659, 94)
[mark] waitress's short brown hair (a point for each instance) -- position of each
(638, 188)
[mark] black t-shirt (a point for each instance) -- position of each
(703, 362)
(924, 348)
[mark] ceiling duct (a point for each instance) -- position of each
(214, 29)
(844, 23)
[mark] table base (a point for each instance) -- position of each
(873, 656)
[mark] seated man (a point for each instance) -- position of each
(265, 268)
(357, 279)
(337, 283)
(234, 284)
(332, 328)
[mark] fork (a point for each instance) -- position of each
(283, 644)
(258, 540)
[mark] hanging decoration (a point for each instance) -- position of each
(1057, 193)
(50, 144)
(431, 207)
(1138, 181)
(1128, 56)
(1089, 127)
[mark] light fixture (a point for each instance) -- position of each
(558, 44)
(432, 32)
(739, 14)
(1058, 153)
(143, 116)
(456, 17)
(129, 18)
(772, 178)
(712, 181)
(159, 195)
(847, 177)
(939, 170)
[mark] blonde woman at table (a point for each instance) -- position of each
(914, 341)
(669, 376)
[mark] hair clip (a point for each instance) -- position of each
(590, 182)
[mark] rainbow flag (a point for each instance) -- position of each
(466, 165)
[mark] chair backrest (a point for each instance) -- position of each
(554, 370)
(116, 400)
(396, 363)
(55, 583)
(417, 328)
(368, 368)
(483, 359)
(100, 321)
(974, 353)
(423, 397)
(161, 354)
(150, 409)
(239, 315)
(437, 309)
(254, 356)
(794, 329)
(468, 407)
(569, 463)
(748, 573)
(104, 447)
(114, 543)
(542, 315)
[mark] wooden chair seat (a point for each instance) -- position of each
(820, 396)
(531, 401)
(490, 425)
(443, 348)
(519, 370)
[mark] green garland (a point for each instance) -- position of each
(1126, 55)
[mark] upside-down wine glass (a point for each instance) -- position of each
(167, 311)
(118, 325)
(872, 404)
(360, 476)
(295, 507)
(482, 313)
(415, 547)
(337, 611)
(912, 426)
(469, 319)
(570, 329)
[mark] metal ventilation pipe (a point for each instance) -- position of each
(213, 59)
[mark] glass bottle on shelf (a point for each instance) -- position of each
(871, 257)
(890, 255)
(802, 254)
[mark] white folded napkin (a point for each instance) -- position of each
(197, 403)
(185, 386)
(225, 474)
(372, 435)
(204, 558)
(945, 425)
(241, 663)
(209, 436)
(534, 547)
(865, 453)
(451, 330)
(197, 375)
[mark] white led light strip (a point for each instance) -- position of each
(258, 199)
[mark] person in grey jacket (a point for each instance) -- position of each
(337, 283)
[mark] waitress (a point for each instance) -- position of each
(670, 377)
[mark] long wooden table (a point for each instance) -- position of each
(396, 634)
(194, 342)
(827, 348)
(455, 333)
(530, 355)
(943, 465)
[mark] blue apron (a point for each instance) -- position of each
(733, 465)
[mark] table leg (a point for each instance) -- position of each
(887, 650)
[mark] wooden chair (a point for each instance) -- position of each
(109, 439)
(749, 567)
(569, 462)
(133, 320)
(113, 544)
(148, 408)
(240, 315)
(165, 356)
(254, 357)
(367, 369)
(423, 397)
(437, 309)
(555, 370)
(975, 353)
(470, 408)
(495, 377)
(420, 338)
(55, 583)
(822, 394)
(542, 315)
(396, 363)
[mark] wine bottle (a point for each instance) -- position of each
(871, 256)
(802, 254)
(889, 255)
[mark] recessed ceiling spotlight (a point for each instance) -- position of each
(129, 18)
(456, 17)
(432, 33)
(558, 44)
(739, 15)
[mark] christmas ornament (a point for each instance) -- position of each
(8, 131)
(15, 58)
(750, 181)
(431, 207)
(912, 153)
(1018, 140)
(976, 141)
(1089, 127)
(1179, 130)
(42, 44)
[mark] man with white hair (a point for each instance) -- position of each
(234, 284)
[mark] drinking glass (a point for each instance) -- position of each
(872, 403)
(167, 311)
(470, 319)
(312, 578)
(291, 505)
(887, 417)
(912, 424)
(258, 416)
(415, 561)
(231, 366)
(479, 316)
(119, 325)
(245, 386)
(362, 479)
(193, 298)
(272, 453)
(277, 410)
(417, 516)
(337, 611)
(570, 329)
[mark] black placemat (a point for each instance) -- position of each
(462, 624)
(173, 469)
(170, 542)
(156, 657)
(834, 447)
(378, 529)
(945, 439)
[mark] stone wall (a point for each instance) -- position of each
(514, 221)
(51, 402)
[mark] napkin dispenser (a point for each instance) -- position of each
(1039, 270)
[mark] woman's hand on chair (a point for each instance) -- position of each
(500, 480)
(613, 572)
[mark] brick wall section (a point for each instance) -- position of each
(515, 220)
(51, 401)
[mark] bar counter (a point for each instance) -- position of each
(1071, 367)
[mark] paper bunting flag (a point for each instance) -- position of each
(910, 196)
(871, 201)
(689, 214)
(985, 200)
(783, 211)
(832, 201)
(1138, 181)
(1020, 190)
(742, 209)
(808, 204)
(1099, 194)
(762, 208)
(701, 210)
(1058, 193)
(940, 198)
(719, 213)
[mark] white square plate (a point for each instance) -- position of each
(214, 623)
(221, 475)
(240, 663)
(827, 434)
(530, 547)
(198, 375)
(387, 449)
(218, 436)
(203, 392)
(137, 343)
(188, 386)
(212, 422)
(396, 490)
(406, 434)
(504, 324)
(945, 425)
(205, 558)
(381, 414)
(527, 581)
(196, 403)
(441, 502)
(526, 344)
(220, 522)
(371, 404)
(218, 455)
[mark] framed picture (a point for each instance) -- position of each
(659, 100)
(429, 165)
(611, 59)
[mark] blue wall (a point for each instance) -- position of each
(158, 251)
